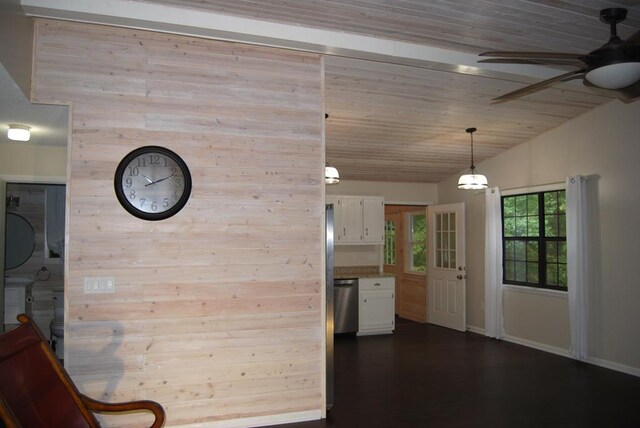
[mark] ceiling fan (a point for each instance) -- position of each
(613, 66)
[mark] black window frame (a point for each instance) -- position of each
(541, 239)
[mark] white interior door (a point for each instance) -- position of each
(446, 283)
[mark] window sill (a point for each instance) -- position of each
(536, 291)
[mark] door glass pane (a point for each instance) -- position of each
(452, 221)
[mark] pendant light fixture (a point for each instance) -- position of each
(19, 132)
(331, 175)
(472, 181)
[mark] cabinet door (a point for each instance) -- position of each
(377, 310)
(351, 221)
(373, 220)
(337, 217)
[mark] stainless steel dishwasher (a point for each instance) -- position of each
(345, 305)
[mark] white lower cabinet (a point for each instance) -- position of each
(376, 306)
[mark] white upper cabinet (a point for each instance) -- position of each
(357, 219)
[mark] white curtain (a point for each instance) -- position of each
(578, 244)
(493, 321)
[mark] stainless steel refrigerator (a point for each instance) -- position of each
(330, 303)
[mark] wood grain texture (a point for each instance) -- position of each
(217, 310)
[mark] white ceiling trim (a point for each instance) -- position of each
(170, 19)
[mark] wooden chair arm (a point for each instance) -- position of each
(101, 406)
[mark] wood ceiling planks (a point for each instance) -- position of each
(398, 123)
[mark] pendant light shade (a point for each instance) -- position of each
(19, 132)
(472, 181)
(331, 175)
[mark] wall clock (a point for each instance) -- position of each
(152, 183)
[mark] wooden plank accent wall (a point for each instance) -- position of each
(217, 311)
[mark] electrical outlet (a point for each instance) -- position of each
(99, 284)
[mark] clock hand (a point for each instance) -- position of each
(158, 181)
(147, 178)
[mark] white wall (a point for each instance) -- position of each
(393, 193)
(605, 142)
(25, 162)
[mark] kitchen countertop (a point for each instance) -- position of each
(344, 272)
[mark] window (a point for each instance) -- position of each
(417, 242)
(534, 240)
(390, 242)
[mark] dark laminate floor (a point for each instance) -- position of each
(427, 376)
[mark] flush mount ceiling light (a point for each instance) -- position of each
(331, 175)
(19, 132)
(472, 180)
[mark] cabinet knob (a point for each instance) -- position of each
(377, 284)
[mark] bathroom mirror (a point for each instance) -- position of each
(20, 241)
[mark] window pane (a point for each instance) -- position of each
(552, 252)
(521, 252)
(509, 206)
(532, 226)
(452, 240)
(552, 274)
(445, 222)
(562, 252)
(509, 250)
(562, 201)
(532, 273)
(510, 271)
(439, 258)
(389, 242)
(452, 259)
(521, 205)
(562, 275)
(562, 225)
(521, 271)
(419, 259)
(438, 221)
(532, 251)
(550, 202)
(532, 204)
(551, 225)
(510, 227)
(521, 226)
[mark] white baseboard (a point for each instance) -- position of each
(474, 329)
(537, 345)
(634, 371)
(259, 421)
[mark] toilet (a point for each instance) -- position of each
(56, 326)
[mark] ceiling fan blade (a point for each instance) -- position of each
(536, 55)
(532, 61)
(537, 86)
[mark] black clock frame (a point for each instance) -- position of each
(124, 201)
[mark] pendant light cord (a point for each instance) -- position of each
(471, 131)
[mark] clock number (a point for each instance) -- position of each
(165, 202)
(142, 202)
(154, 159)
(128, 182)
(142, 162)
(178, 181)
(132, 194)
(174, 170)
(133, 171)
(154, 206)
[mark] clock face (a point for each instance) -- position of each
(152, 183)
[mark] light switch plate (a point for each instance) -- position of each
(99, 284)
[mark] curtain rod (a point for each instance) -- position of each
(482, 192)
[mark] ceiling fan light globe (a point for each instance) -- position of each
(331, 175)
(615, 76)
(473, 182)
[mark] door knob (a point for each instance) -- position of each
(461, 276)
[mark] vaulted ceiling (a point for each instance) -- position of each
(397, 116)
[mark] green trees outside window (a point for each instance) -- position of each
(417, 242)
(534, 239)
